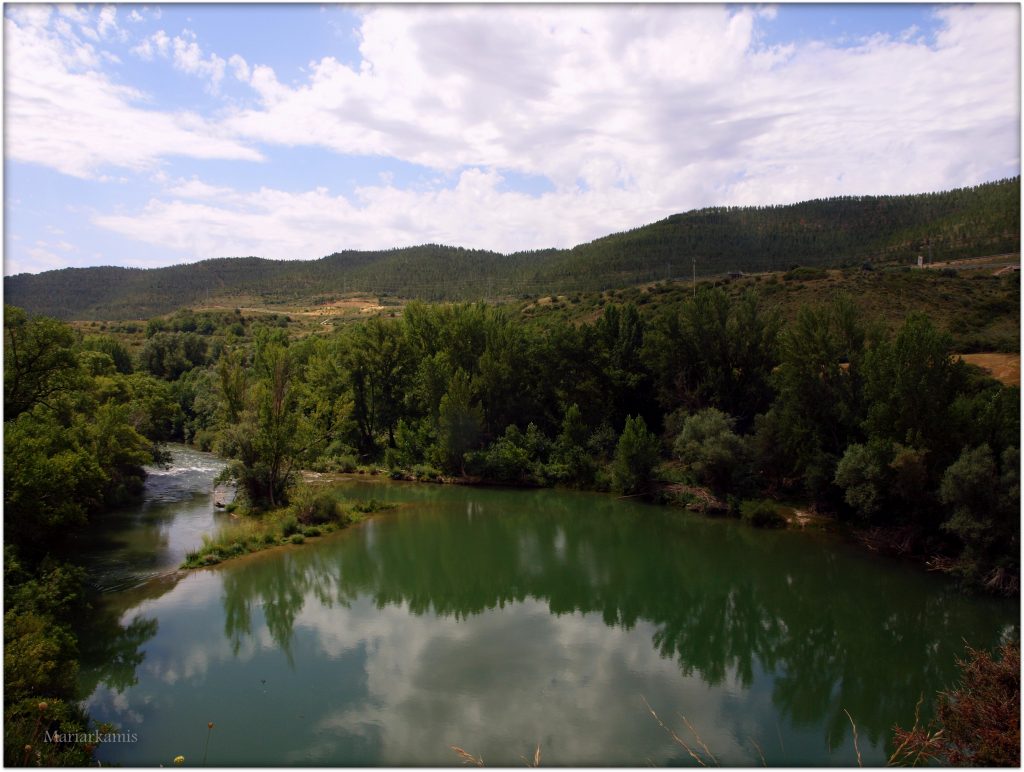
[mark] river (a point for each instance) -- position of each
(497, 620)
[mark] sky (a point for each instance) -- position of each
(160, 134)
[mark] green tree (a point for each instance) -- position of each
(910, 383)
(985, 505)
(570, 461)
(818, 409)
(713, 450)
(378, 364)
(271, 436)
(39, 364)
(863, 474)
(714, 352)
(460, 423)
(636, 455)
(111, 347)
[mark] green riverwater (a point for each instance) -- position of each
(499, 619)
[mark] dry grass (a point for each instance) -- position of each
(680, 741)
(1005, 368)
(467, 758)
(856, 746)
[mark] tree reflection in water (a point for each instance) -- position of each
(834, 630)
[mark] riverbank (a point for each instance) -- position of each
(312, 514)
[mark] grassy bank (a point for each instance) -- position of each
(311, 514)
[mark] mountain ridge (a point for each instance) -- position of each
(964, 222)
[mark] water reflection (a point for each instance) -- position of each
(495, 620)
(725, 603)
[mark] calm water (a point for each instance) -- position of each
(495, 620)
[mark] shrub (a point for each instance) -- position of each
(804, 274)
(311, 531)
(762, 514)
(863, 474)
(507, 460)
(297, 538)
(311, 507)
(345, 463)
(289, 526)
(713, 450)
(978, 720)
(426, 472)
(203, 439)
(369, 506)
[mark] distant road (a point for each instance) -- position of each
(1008, 261)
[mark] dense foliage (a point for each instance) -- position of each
(78, 428)
(982, 220)
(883, 429)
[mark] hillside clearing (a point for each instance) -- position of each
(1005, 368)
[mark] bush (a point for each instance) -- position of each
(345, 463)
(369, 506)
(979, 719)
(289, 526)
(311, 531)
(804, 274)
(203, 439)
(507, 460)
(762, 514)
(426, 472)
(312, 507)
(713, 450)
(297, 538)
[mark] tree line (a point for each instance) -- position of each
(966, 222)
(884, 429)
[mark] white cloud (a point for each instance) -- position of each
(631, 112)
(201, 220)
(188, 57)
(239, 67)
(107, 24)
(76, 13)
(676, 103)
(63, 112)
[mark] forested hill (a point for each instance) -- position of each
(960, 223)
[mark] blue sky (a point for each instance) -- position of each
(152, 135)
